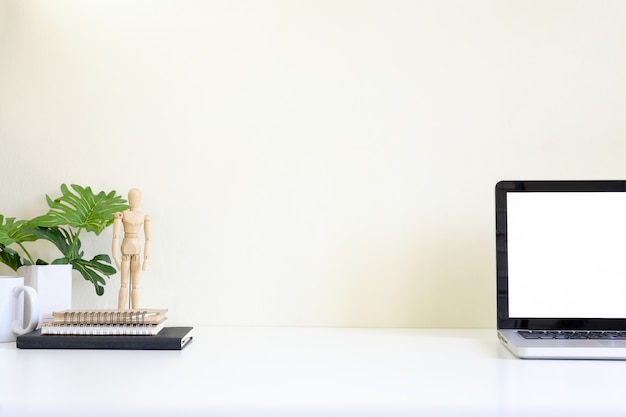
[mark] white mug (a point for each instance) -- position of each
(13, 309)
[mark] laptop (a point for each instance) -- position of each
(561, 268)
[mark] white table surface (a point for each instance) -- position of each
(243, 371)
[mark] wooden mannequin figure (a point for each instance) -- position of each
(130, 265)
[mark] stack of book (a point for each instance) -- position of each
(106, 329)
(144, 322)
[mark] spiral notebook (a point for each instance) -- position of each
(109, 316)
(140, 322)
(102, 329)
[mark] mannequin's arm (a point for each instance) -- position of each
(117, 228)
(147, 232)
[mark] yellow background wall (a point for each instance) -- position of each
(309, 163)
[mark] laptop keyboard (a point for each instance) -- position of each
(573, 334)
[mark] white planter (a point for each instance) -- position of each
(53, 284)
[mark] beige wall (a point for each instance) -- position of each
(310, 162)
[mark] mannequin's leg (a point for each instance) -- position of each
(122, 301)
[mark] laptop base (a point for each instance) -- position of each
(562, 349)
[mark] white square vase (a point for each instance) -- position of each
(53, 284)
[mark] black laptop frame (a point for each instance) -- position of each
(503, 320)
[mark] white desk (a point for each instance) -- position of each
(309, 372)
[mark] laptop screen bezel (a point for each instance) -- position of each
(501, 191)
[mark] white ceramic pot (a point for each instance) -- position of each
(53, 284)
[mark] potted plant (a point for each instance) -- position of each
(78, 210)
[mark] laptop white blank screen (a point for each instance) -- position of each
(566, 254)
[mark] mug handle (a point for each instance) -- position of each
(31, 295)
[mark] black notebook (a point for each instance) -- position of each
(170, 338)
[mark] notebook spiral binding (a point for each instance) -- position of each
(104, 317)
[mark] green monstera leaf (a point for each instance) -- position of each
(81, 209)
(14, 232)
(95, 270)
(10, 258)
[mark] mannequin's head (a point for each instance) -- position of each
(134, 198)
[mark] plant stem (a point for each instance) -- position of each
(74, 241)
(30, 258)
